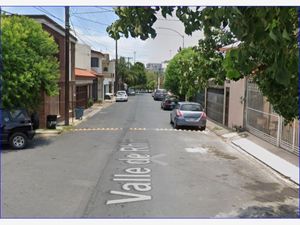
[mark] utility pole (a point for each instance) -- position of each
(67, 63)
(116, 69)
(128, 58)
(134, 57)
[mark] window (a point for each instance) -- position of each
(191, 107)
(94, 62)
(105, 69)
(18, 115)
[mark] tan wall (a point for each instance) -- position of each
(236, 103)
(83, 56)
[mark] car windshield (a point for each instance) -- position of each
(121, 93)
(191, 107)
(18, 114)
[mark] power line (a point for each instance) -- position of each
(96, 31)
(103, 8)
(91, 12)
(48, 13)
(103, 24)
(73, 29)
(10, 13)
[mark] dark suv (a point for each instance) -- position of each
(16, 128)
(159, 94)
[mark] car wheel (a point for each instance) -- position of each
(202, 128)
(18, 140)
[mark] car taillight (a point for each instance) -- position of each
(178, 113)
(203, 115)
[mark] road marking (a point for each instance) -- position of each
(197, 150)
(136, 178)
(97, 129)
(140, 129)
(132, 175)
(153, 159)
(136, 197)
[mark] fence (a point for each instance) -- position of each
(262, 121)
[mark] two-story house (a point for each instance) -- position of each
(96, 65)
(56, 105)
(85, 77)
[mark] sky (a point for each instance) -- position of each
(89, 26)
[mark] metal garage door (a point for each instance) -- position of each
(215, 104)
(81, 96)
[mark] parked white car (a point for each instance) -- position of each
(121, 96)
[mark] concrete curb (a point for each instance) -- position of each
(271, 160)
(240, 141)
(60, 127)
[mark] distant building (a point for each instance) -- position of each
(155, 67)
(164, 65)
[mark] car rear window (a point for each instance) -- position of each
(191, 107)
(161, 91)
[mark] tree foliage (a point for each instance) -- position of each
(268, 51)
(29, 61)
(180, 73)
(139, 73)
(151, 80)
(132, 75)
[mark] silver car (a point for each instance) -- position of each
(188, 114)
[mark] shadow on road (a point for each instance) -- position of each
(281, 211)
(37, 142)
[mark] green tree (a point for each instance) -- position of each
(30, 63)
(181, 76)
(139, 73)
(268, 49)
(151, 80)
(124, 72)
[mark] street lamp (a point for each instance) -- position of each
(165, 28)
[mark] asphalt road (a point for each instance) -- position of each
(128, 162)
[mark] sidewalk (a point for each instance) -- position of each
(280, 160)
(89, 112)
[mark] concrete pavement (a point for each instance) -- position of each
(88, 113)
(99, 171)
(283, 162)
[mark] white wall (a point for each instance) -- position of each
(83, 56)
(98, 69)
(236, 102)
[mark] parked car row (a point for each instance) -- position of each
(183, 113)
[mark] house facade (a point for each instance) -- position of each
(96, 65)
(241, 105)
(109, 74)
(56, 105)
(85, 77)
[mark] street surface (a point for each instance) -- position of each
(128, 162)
